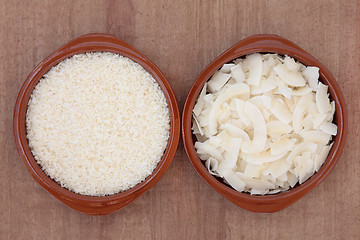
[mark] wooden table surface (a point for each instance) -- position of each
(181, 37)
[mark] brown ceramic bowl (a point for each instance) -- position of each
(265, 44)
(88, 204)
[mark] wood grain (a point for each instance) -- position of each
(181, 37)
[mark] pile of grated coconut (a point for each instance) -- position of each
(98, 123)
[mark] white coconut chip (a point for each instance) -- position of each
(318, 120)
(234, 181)
(282, 146)
(321, 157)
(235, 131)
(254, 62)
(291, 65)
(301, 91)
(255, 183)
(196, 127)
(261, 101)
(218, 80)
(308, 122)
(237, 72)
(292, 179)
(259, 126)
(294, 79)
(268, 65)
(200, 101)
(204, 148)
(284, 89)
(264, 157)
(299, 111)
(329, 128)
(265, 85)
(301, 147)
(211, 165)
(229, 93)
(252, 170)
(281, 111)
(226, 68)
(311, 74)
(240, 104)
(230, 156)
(316, 136)
(276, 128)
(277, 168)
(330, 115)
(322, 99)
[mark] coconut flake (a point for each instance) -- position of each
(329, 128)
(292, 179)
(240, 104)
(284, 89)
(276, 128)
(230, 156)
(261, 101)
(217, 81)
(265, 85)
(196, 126)
(259, 139)
(301, 91)
(299, 111)
(291, 65)
(254, 62)
(282, 146)
(268, 65)
(235, 131)
(200, 101)
(211, 165)
(253, 170)
(229, 93)
(264, 157)
(234, 181)
(311, 74)
(255, 183)
(322, 99)
(281, 111)
(330, 115)
(226, 68)
(205, 148)
(294, 79)
(237, 73)
(301, 147)
(321, 157)
(318, 120)
(308, 122)
(277, 168)
(316, 136)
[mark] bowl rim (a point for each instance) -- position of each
(265, 43)
(94, 42)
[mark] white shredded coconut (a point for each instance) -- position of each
(98, 123)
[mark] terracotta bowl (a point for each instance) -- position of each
(88, 204)
(265, 44)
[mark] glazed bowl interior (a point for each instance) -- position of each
(265, 44)
(82, 203)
